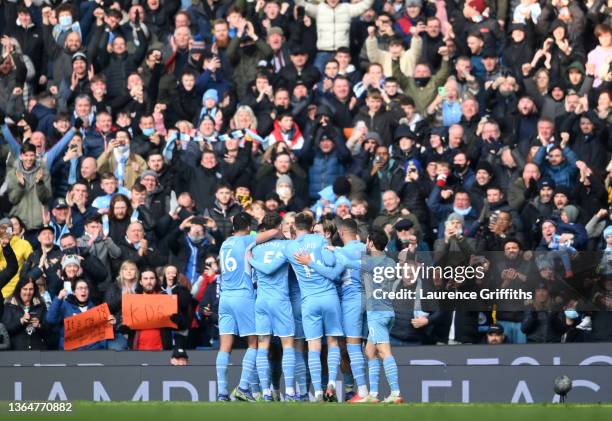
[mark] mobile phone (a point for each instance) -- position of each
(442, 91)
(68, 286)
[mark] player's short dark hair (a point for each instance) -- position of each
(241, 222)
(303, 221)
(378, 238)
(271, 220)
(348, 225)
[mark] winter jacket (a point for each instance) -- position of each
(541, 326)
(28, 200)
(69, 306)
(21, 249)
(108, 163)
(333, 24)
(563, 174)
(245, 64)
(25, 337)
(423, 96)
(223, 217)
(117, 67)
(407, 61)
(180, 246)
(8, 271)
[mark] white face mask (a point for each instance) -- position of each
(65, 21)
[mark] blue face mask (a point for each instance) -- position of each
(184, 136)
(148, 132)
(571, 314)
(65, 21)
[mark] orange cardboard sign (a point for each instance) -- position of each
(148, 311)
(88, 327)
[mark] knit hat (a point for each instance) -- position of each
(148, 173)
(455, 217)
(572, 213)
(71, 260)
(79, 56)
(608, 231)
(284, 179)
(5, 221)
(563, 190)
(546, 182)
(414, 3)
(197, 47)
(342, 200)
(485, 165)
(404, 131)
(478, 5)
(211, 94)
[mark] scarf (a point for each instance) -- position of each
(121, 158)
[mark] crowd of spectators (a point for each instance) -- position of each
(132, 131)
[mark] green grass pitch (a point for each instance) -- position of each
(171, 411)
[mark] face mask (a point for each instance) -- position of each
(70, 251)
(571, 314)
(284, 191)
(121, 150)
(148, 132)
(462, 212)
(505, 93)
(421, 81)
(459, 168)
(184, 136)
(196, 239)
(65, 21)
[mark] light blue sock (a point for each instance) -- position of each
(263, 368)
(391, 373)
(300, 372)
(374, 372)
(221, 364)
(314, 365)
(289, 367)
(357, 363)
(248, 366)
(333, 362)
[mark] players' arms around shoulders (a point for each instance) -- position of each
(331, 267)
(269, 267)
